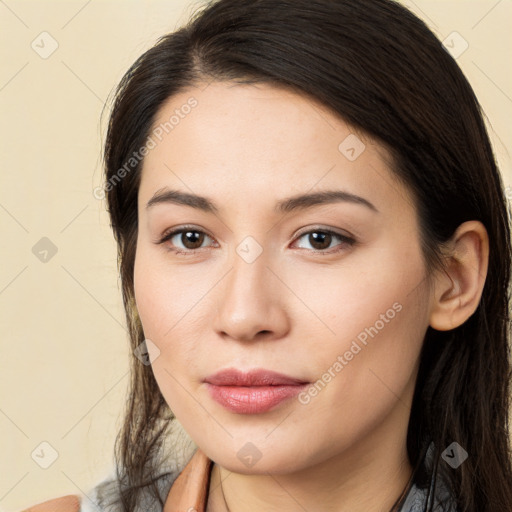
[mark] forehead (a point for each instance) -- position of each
(245, 142)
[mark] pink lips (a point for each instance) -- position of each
(254, 392)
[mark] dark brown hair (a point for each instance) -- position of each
(384, 72)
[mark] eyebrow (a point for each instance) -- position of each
(297, 202)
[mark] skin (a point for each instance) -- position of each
(296, 307)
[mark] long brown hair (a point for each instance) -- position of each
(382, 70)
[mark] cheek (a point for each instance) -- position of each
(165, 296)
(379, 289)
(167, 305)
(379, 318)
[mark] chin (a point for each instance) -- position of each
(251, 460)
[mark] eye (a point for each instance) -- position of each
(321, 239)
(190, 238)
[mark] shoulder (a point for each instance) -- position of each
(70, 503)
(106, 494)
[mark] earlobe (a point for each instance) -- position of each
(458, 287)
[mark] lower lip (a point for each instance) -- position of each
(254, 399)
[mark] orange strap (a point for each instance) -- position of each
(70, 503)
(189, 491)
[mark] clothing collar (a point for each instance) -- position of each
(190, 490)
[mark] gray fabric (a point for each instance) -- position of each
(105, 496)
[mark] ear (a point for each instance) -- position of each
(458, 288)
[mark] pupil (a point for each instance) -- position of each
(323, 237)
(193, 237)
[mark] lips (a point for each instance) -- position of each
(253, 392)
(234, 377)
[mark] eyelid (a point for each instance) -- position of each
(177, 229)
(327, 229)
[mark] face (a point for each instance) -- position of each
(329, 291)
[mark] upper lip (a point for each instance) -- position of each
(258, 377)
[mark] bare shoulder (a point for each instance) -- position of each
(70, 503)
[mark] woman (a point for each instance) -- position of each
(368, 373)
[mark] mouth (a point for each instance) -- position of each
(253, 392)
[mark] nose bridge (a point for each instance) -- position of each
(249, 260)
(250, 301)
(248, 281)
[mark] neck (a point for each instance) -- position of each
(370, 476)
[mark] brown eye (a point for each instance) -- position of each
(184, 240)
(192, 239)
(321, 239)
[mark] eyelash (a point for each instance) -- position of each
(190, 252)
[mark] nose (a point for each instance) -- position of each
(252, 302)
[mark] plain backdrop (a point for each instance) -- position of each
(64, 345)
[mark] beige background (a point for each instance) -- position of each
(64, 352)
